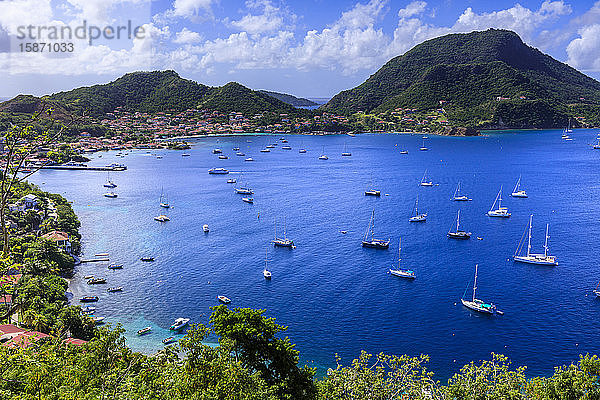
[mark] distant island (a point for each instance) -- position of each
(454, 85)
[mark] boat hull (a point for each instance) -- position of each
(476, 307)
(376, 244)
(536, 260)
(402, 274)
(459, 235)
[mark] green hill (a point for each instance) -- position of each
(291, 100)
(152, 92)
(469, 72)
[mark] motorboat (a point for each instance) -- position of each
(147, 259)
(96, 281)
(115, 289)
(205, 228)
(162, 218)
(249, 159)
(248, 199)
(88, 299)
(372, 192)
(115, 266)
(224, 299)
(111, 195)
(231, 180)
(169, 340)
(217, 151)
(179, 324)
(144, 331)
(218, 171)
(223, 157)
(98, 320)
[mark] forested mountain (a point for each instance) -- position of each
(291, 100)
(467, 74)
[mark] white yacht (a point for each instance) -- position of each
(284, 241)
(266, 273)
(458, 196)
(372, 242)
(110, 195)
(205, 228)
(517, 191)
(162, 218)
(457, 233)
(425, 182)
(218, 171)
(478, 305)
(418, 217)
(500, 212)
(402, 273)
(179, 324)
(533, 258)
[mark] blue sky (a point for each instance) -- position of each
(310, 48)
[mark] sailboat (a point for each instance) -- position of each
(532, 258)
(423, 148)
(372, 191)
(164, 203)
(302, 149)
(323, 156)
(597, 290)
(517, 191)
(424, 181)
(372, 242)
(597, 145)
(346, 153)
(402, 273)
(500, 212)
(418, 217)
(458, 234)
(457, 196)
(283, 242)
(266, 273)
(478, 305)
(243, 189)
(109, 183)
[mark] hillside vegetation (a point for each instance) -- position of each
(466, 73)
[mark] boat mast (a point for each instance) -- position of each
(372, 225)
(546, 244)
(500, 198)
(529, 240)
(284, 228)
(417, 206)
(399, 248)
(457, 221)
(518, 185)
(475, 283)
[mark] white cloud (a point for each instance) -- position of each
(101, 11)
(14, 13)
(191, 8)
(186, 36)
(269, 18)
(584, 51)
(414, 8)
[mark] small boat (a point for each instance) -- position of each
(217, 151)
(403, 151)
(372, 192)
(96, 281)
(270, 146)
(266, 273)
(302, 151)
(185, 155)
(517, 191)
(346, 153)
(286, 147)
(169, 340)
(458, 234)
(162, 218)
(163, 201)
(283, 140)
(424, 181)
(479, 305)
(243, 190)
(283, 242)
(323, 156)
(218, 171)
(98, 320)
(417, 217)
(423, 148)
(500, 212)
(144, 331)
(231, 180)
(147, 259)
(372, 242)
(532, 258)
(240, 154)
(402, 273)
(88, 309)
(223, 157)
(224, 300)
(115, 266)
(205, 228)
(458, 196)
(101, 255)
(115, 289)
(109, 183)
(265, 150)
(597, 145)
(110, 195)
(249, 159)
(236, 149)
(88, 277)
(248, 199)
(179, 324)
(597, 291)
(88, 299)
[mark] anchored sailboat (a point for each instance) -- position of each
(346, 153)
(517, 191)
(109, 183)
(500, 212)
(370, 191)
(164, 203)
(597, 290)
(478, 305)
(402, 273)
(458, 196)
(283, 242)
(266, 273)
(532, 258)
(423, 148)
(372, 242)
(323, 156)
(458, 234)
(424, 181)
(416, 216)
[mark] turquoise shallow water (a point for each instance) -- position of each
(334, 295)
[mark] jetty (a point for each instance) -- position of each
(104, 259)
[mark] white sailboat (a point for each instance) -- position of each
(458, 196)
(597, 145)
(500, 212)
(323, 156)
(402, 273)
(109, 183)
(423, 148)
(457, 233)
(424, 181)
(283, 242)
(346, 153)
(372, 242)
(164, 203)
(422, 217)
(478, 305)
(266, 273)
(371, 191)
(517, 191)
(533, 258)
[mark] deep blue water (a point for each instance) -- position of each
(334, 295)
